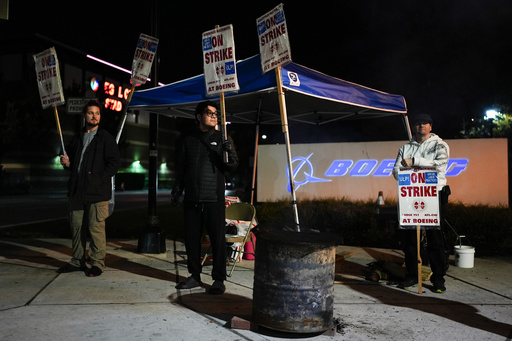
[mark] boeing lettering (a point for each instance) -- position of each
(360, 168)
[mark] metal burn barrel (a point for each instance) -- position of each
(293, 281)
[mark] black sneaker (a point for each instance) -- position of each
(189, 283)
(439, 288)
(94, 271)
(408, 283)
(217, 288)
(70, 268)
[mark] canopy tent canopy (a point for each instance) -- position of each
(311, 97)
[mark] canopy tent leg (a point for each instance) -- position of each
(256, 150)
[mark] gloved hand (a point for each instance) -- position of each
(175, 196)
(226, 145)
(175, 200)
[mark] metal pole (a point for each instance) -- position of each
(152, 239)
(407, 126)
(256, 151)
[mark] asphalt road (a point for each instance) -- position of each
(24, 209)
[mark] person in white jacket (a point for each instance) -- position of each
(426, 149)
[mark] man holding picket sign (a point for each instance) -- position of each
(204, 156)
(92, 161)
(418, 185)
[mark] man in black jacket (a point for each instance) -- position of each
(200, 170)
(93, 159)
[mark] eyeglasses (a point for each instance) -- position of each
(211, 113)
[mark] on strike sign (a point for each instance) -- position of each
(48, 78)
(219, 60)
(143, 59)
(418, 201)
(273, 37)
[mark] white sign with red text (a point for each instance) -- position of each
(143, 59)
(219, 60)
(418, 200)
(273, 39)
(48, 78)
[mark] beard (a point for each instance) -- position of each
(91, 125)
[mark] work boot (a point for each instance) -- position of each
(189, 283)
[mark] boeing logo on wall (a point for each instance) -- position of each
(307, 172)
(359, 168)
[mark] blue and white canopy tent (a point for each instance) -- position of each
(311, 98)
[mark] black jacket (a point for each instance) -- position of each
(100, 163)
(200, 169)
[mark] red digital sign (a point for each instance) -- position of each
(116, 95)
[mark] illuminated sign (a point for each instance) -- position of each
(359, 168)
(116, 94)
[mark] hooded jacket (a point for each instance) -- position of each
(99, 164)
(433, 152)
(200, 170)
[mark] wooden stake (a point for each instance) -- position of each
(223, 125)
(123, 120)
(418, 242)
(284, 123)
(60, 131)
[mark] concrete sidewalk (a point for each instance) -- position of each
(135, 299)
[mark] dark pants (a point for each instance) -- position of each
(436, 246)
(212, 216)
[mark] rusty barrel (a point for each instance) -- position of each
(293, 281)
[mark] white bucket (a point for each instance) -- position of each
(464, 256)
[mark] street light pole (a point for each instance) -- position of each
(152, 238)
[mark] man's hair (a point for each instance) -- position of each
(203, 105)
(91, 103)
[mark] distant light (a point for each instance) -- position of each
(491, 114)
(163, 168)
(56, 163)
(136, 167)
(94, 84)
(115, 66)
(263, 137)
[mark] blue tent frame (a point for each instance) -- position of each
(311, 97)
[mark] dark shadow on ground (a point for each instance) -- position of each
(20, 249)
(226, 307)
(458, 312)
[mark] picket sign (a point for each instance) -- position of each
(418, 204)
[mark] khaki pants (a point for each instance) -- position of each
(83, 217)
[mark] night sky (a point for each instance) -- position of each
(450, 59)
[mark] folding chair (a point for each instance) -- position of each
(239, 213)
